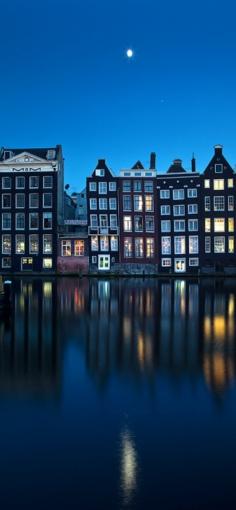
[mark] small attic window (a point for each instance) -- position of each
(51, 154)
(218, 168)
(100, 172)
(8, 154)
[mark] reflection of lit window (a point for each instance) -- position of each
(219, 244)
(65, 248)
(207, 183)
(166, 245)
(128, 251)
(231, 224)
(149, 247)
(207, 224)
(179, 245)
(47, 289)
(219, 184)
(219, 225)
(129, 467)
(231, 245)
(47, 263)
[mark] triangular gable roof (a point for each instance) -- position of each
(138, 166)
(25, 157)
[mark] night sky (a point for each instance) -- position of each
(65, 78)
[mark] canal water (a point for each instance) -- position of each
(119, 394)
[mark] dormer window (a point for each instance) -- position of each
(51, 154)
(8, 154)
(218, 168)
(100, 172)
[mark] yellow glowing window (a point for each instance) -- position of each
(230, 183)
(231, 245)
(207, 224)
(219, 184)
(231, 224)
(47, 263)
(207, 183)
(219, 224)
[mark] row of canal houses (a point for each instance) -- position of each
(140, 222)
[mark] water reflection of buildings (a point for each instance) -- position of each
(29, 341)
(129, 467)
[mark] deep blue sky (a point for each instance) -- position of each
(65, 79)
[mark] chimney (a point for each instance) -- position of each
(177, 162)
(101, 163)
(218, 150)
(193, 164)
(153, 161)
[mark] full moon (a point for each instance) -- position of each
(129, 53)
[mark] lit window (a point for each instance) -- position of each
(219, 184)
(127, 223)
(207, 203)
(207, 224)
(179, 242)
(165, 226)
(219, 225)
(138, 245)
(166, 245)
(149, 247)
(20, 243)
(230, 203)
(207, 245)
(148, 203)
(128, 250)
(6, 244)
(138, 203)
(207, 183)
(79, 248)
(47, 243)
(231, 224)
(47, 263)
(219, 203)
(66, 248)
(193, 244)
(219, 244)
(230, 183)
(231, 245)
(94, 243)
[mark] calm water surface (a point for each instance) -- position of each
(119, 394)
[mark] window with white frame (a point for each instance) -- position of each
(219, 203)
(219, 225)
(193, 261)
(219, 244)
(20, 243)
(34, 200)
(126, 186)
(6, 182)
(207, 245)
(179, 210)
(20, 200)
(166, 262)
(164, 193)
(112, 186)
(102, 188)
(114, 243)
(149, 247)
(47, 243)
(93, 203)
(230, 203)
(219, 184)
(113, 220)
(149, 223)
(207, 203)
(6, 200)
(103, 220)
(126, 202)
(166, 245)
(33, 244)
(218, 168)
(178, 194)
(6, 221)
(193, 244)
(138, 224)
(165, 226)
(165, 210)
(20, 221)
(149, 203)
(102, 203)
(47, 181)
(137, 185)
(230, 225)
(192, 225)
(148, 186)
(128, 247)
(192, 209)
(93, 220)
(94, 259)
(179, 225)
(47, 263)
(127, 222)
(138, 203)
(192, 193)
(47, 220)
(66, 248)
(33, 221)
(179, 245)
(6, 262)
(92, 186)
(207, 224)
(112, 203)
(138, 247)
(20, 182)
(6, 244)
(207, 183)
(100, 172)
(34, 183)
(94, 243)
(79, 248)
(104, 243)
(47, 200)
